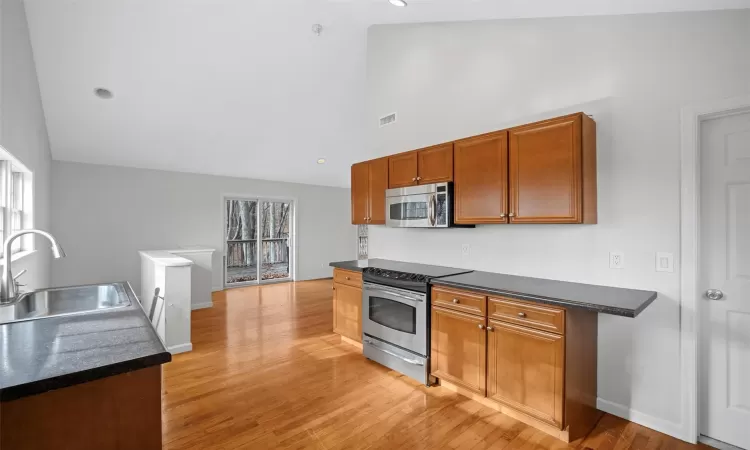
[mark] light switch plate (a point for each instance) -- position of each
(465, 250)
(664, 262)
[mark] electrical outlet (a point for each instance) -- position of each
(465, 250)
(616, 260)
(664, 262)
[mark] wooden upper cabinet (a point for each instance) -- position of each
(402, 170)
(435, 164)
(525, 370)
(480, 168)
(552, 171)
(428, 165)
(369, 182)
(459, 348)
(360, 193)
(378, 183)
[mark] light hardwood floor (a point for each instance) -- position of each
(266, 371)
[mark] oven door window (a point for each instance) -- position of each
(409, 210)
(392, 314)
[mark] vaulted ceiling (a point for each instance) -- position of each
(237, 87)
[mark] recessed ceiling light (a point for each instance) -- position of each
(321, 161)
(398, 2)
(103, 93)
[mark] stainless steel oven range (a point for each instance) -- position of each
(395, 315)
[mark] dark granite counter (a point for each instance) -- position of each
(602, 299)
(51, 353)
(355, 265)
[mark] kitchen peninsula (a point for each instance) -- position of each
(524, 346)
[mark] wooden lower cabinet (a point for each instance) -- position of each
(525, 369)
(117, 412)
(347, 304)
(537, 364)
(347, 311)
(459, 348)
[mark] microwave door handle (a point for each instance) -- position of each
(433, 207)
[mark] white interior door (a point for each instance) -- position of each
(725, 268)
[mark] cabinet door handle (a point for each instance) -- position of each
(456, 301)
(522, 315)
(419, 178)
(512, 215)
(502, 216)
(414, 179)
(348, 278)
(490, 329)
(481, 327)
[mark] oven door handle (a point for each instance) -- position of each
(395, 294)
(388, 352)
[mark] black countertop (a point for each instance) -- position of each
(602, 299)
(51, 353)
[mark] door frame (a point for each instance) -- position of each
(292, 237)
(690, 301)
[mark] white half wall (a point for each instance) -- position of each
(23, 131)
(103, 215)
(634, 74)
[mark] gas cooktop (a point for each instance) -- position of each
(410, 276)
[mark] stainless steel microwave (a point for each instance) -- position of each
(425, 206)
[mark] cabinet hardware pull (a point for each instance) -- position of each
(502, 216)
(348, 278)
(414, 179)
(490, 329)
(455, 300)
(522, 314)
(481, 327)
(512, 215)
(419, 178)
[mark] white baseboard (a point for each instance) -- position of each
(201, 305)
(217, 288)
(182, 348)
(663, 426)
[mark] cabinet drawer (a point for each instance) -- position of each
(533, 315)
(348, 277)
(459, 300)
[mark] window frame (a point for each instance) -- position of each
(10, 165)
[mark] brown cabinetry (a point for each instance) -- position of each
(428, 165)
(552, 171)
(458, 348)
(533, 361)
(525, 370)
(369, 182)
(481, 179)
(544, 172)
(347, 304)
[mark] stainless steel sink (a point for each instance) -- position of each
(64, 301)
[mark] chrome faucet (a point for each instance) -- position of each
(9, 286)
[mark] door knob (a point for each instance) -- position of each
(714, 294)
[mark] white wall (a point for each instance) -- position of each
(23, 131)
(634, 74)
(103, 215)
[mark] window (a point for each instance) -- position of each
(15, 202)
